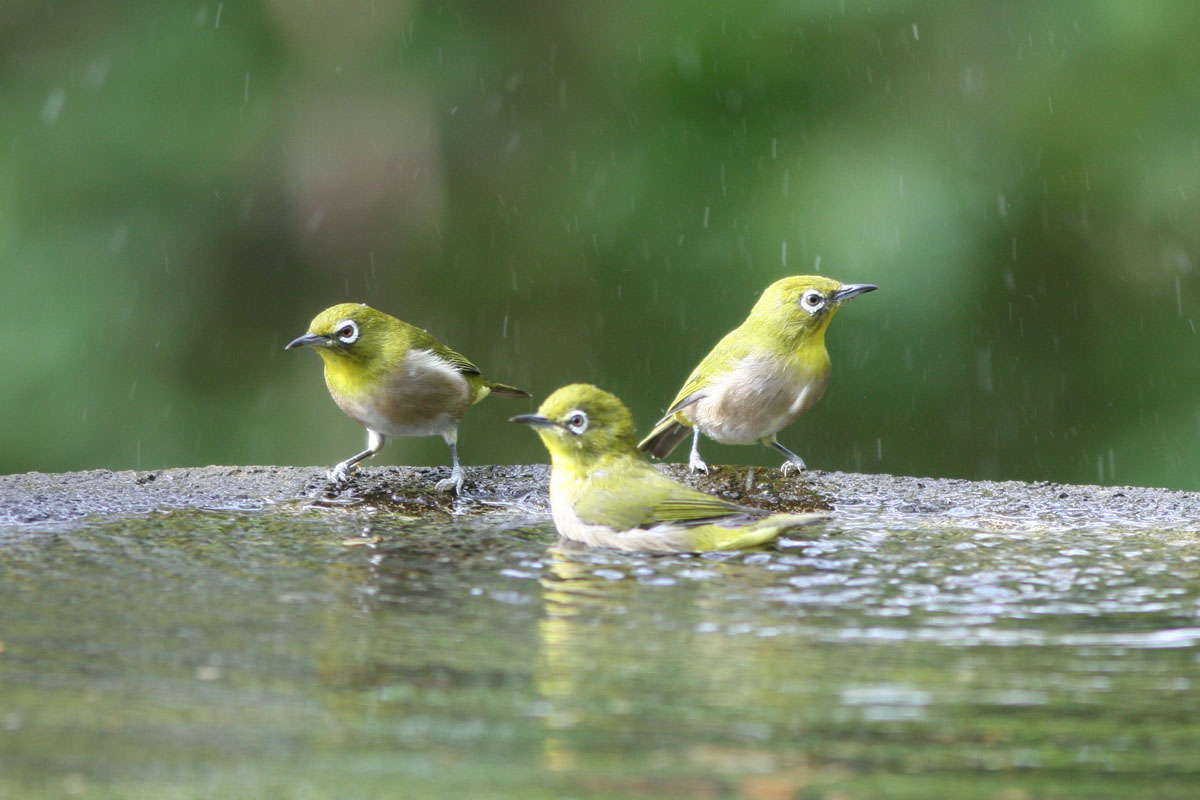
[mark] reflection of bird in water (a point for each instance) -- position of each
(580, 660)
(650, 659)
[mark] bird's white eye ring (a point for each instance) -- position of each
(812, 301)
(577, 422)
(347, 331)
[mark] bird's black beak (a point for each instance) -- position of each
(308, 340)
(852, 290)
(534, 420)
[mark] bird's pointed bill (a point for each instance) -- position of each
(852, 290)
(535, 420)
(308, 340)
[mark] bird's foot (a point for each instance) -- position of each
(339, 476)
(790, 466)
(696, 464)
(455, 482)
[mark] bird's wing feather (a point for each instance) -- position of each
(642, 497)
(727, 352)
(684, 401)
(425, 340)
(460, 362)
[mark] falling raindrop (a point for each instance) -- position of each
(983, 370)
(116, 242)
(96, 74)
(52, 108)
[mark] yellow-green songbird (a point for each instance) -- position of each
(762, 376)
(396, 380)
(604, 493)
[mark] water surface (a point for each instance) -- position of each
(339, 652)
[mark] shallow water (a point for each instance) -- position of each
(321, 653)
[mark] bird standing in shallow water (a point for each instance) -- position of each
(761, 376)
(604, 493)
(396, 380)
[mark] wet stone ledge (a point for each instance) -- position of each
(39, 498)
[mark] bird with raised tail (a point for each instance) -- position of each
(395, 380)
(604, 493)
(762, 376)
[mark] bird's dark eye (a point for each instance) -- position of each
(347, 332)
(577, 422)
(812, 300)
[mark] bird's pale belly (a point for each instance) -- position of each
(426, 397)
(754, 402)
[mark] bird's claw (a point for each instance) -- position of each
(697, 465)
(455, 482)
(788, 467)
(340, 475)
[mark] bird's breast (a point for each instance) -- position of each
(759, 397)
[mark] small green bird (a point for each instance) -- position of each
(762, 376)
(396, 380)
(604, 493)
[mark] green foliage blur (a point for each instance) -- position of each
(598, 191)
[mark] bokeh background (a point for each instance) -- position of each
(598, 191)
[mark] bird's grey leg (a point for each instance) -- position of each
(695, 463)
(340, 474)
(794, 462)
(455, 481)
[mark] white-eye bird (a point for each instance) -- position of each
(396, 380)
(761, 376)
(604, 493)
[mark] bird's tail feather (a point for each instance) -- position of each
(504, 390)
(665, 437)
(702, 538)
(715, 537)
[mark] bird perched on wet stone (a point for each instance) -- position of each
(604, 493)
(396, 380)
(762, 376)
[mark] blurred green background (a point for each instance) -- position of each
(598, 191)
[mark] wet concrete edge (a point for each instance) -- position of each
(32, 498)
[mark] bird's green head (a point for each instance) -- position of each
(803, 305)
(581, 422)
(348, 334)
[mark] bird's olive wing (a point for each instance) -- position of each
(700, 508)
(456, 359)
(724, 357)
(639, 496)
(693, 390)
(415, 338)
